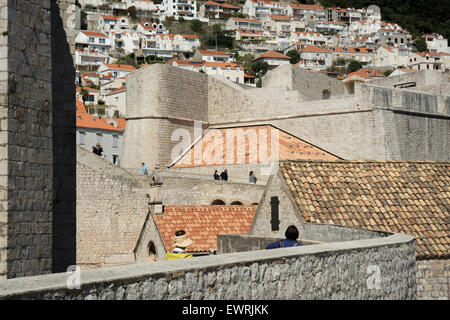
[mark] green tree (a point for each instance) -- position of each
(260, 68)
(354, 66)
(245, 60)
(84, 95)
(196, 25)
(223, 38)
(132, 12)
(152, 59)
(129, 59)
(83, 20)
(420, 45)
(294, 55)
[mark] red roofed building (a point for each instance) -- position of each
(273, 58)
(244, 149)
(212, 55)
(216, 10)
(363, 55)
(306, 12)
(202, 224)
(244, 24)
(91, 50)
(316, 58)
(91, 130)
(114, 71)
(262, 8)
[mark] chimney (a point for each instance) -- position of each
(274, 221)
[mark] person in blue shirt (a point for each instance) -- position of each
(290, 241)
(144, 169)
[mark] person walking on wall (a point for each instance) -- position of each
(290, 241)
(180, 242)
(224, 175)
(144, 169)
(216, 175)
(252, 178)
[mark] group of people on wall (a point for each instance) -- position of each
(224, 176)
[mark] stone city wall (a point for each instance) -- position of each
(309, 84)
(26, 164)
(184, 189)
(231, 243)
(112, 206)
(382, 268)
(433, 279)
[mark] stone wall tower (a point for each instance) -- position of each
(37, 137)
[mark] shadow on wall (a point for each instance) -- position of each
(64, 148)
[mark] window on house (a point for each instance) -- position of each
(82, 138)
(115, 141)
(102, 41)
(91, 39)
(99, 138)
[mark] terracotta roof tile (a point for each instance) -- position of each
(289, 147)
(272, 55)
(379, 199)
(203, 223)
(120, 66)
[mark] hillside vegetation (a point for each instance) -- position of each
(417, 16)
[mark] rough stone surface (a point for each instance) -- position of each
(382, 268)
(433, 279)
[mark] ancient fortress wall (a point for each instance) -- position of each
(378, 122)
(310, 85)
(26, 138)
(112, 206)
(379, 268)
(433, 279)
(185, 189)
(160, 100)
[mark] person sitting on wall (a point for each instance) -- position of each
(290, 241)
(224, 175)
(216, 175)
(252, 178)
(98, 150)
(180, 241)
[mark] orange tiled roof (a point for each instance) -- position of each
(365, 73)
(246, 20)
(86, 120)
(396, 196)
(300, 6)
(290, 147)
(80, 106)
(120, 66)
(314, 49)
(149, 27)
(94, 34)
(276, 17)
(203, 223)
(86, 88)
(213, 53)
(116, 90)
(222, 65)
(272, 55)
(121, 122)
(110, 18)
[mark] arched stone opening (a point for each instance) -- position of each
(218, 202)
(151, 252)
